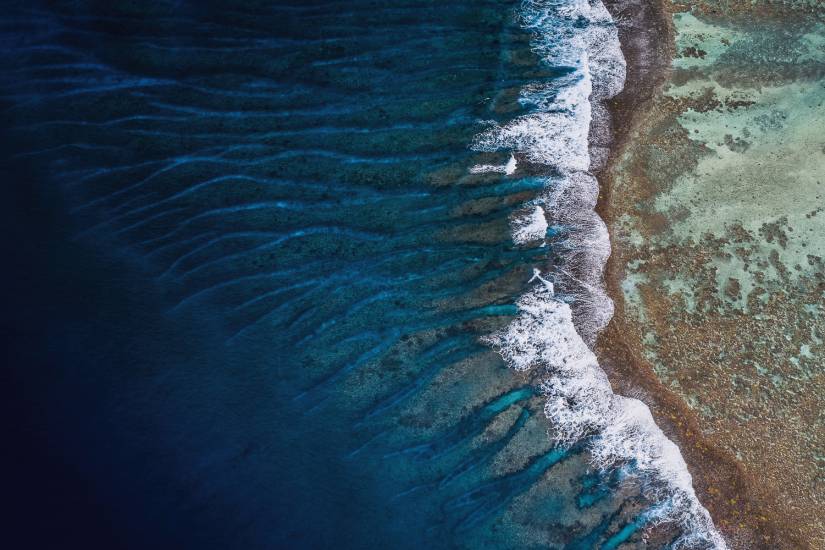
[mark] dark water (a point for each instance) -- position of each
(247, 273)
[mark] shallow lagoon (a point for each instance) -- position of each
(721, 233)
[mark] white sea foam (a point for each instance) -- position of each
(509, 168)
(530, 227)
(547, 137)
(569, 130)
(581, 404)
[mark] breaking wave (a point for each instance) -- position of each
(568, 130)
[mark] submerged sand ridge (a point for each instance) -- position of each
(717, 215)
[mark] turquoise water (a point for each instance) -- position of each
(266, 266)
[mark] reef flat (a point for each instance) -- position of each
(714, 204)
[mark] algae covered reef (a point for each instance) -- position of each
(717, 215)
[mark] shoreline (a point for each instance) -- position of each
(723, 486)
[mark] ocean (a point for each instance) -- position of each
(316, 274)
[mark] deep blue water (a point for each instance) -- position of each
(247, 270)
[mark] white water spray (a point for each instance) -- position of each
(580, 400)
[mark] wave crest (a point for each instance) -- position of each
(569, 130)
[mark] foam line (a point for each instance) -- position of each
(568, 129)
